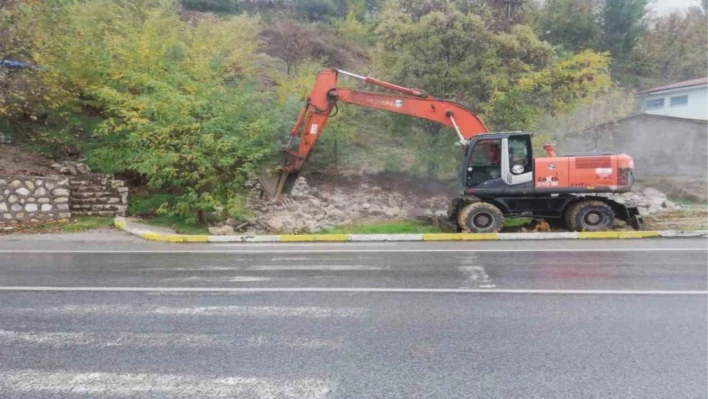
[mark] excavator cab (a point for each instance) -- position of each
(498, 161)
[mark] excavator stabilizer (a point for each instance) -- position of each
(277, 181)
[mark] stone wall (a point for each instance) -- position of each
(97, 195)
(33, 199)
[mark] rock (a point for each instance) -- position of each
(61, 200)
(22, 191)
(40, 192)
(365, 205)
(38, 182)
(3, 182)
(31, 208)
(64, 215)
(15, 184)
(440, 214)
(56, 165)
(275, 223)
(46, 207)
(49, 185)
(391, 212)
(16, 207)
(652, 192)
(3, 207)
(336, 213)
(12, 199)
(60, 191)
(29, 185)
(82, 168)
(19, 215)
(7, 215)
(214, 230)
(44, 200)
(31, 199)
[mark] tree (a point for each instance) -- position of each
(178, 102)
(509, 78)
(290, 41)
(624, 25)
(673, 49)
(574, 25)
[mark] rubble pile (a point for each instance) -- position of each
(648, 200)
(311, 209)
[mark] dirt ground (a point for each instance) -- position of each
(15, 161)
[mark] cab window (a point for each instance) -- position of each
(519, 153)
(486, 153)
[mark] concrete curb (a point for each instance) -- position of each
(148, 234)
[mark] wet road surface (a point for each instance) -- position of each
(600, 319)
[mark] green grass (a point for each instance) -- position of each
(517, 222)
(177, 224)
(86, 223)
(148, 205)
(396, 227)
(145, 206)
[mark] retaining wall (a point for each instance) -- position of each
(33, 198)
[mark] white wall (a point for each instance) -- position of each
(696, 108)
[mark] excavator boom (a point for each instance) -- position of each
(322, 100)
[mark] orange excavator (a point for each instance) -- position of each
(498, 174)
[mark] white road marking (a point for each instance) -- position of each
(349, 289)
(358, 251)
(270, 268)
(477, 276)
(116, 339)
(301, 258)
(164, 385)
(315, 267)
(237, 279)
(235, 311)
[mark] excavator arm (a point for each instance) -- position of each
(322, 101)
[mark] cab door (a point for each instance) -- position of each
(517, 160)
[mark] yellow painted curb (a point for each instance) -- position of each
(461, 237)
(314, 238)
(617, 234)
(120, 225)
(174, 237)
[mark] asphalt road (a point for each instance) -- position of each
(559, 319)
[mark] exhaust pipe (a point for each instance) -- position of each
(550, 150)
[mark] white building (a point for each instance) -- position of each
(687, 100)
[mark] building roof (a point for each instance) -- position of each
(646, 116)
(679, 85)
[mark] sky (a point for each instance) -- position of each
(666, 6)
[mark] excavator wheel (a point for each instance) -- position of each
(589, 216)
(480, 217)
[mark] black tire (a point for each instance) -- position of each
(480, 217)
(589, 216)
(568, 216)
